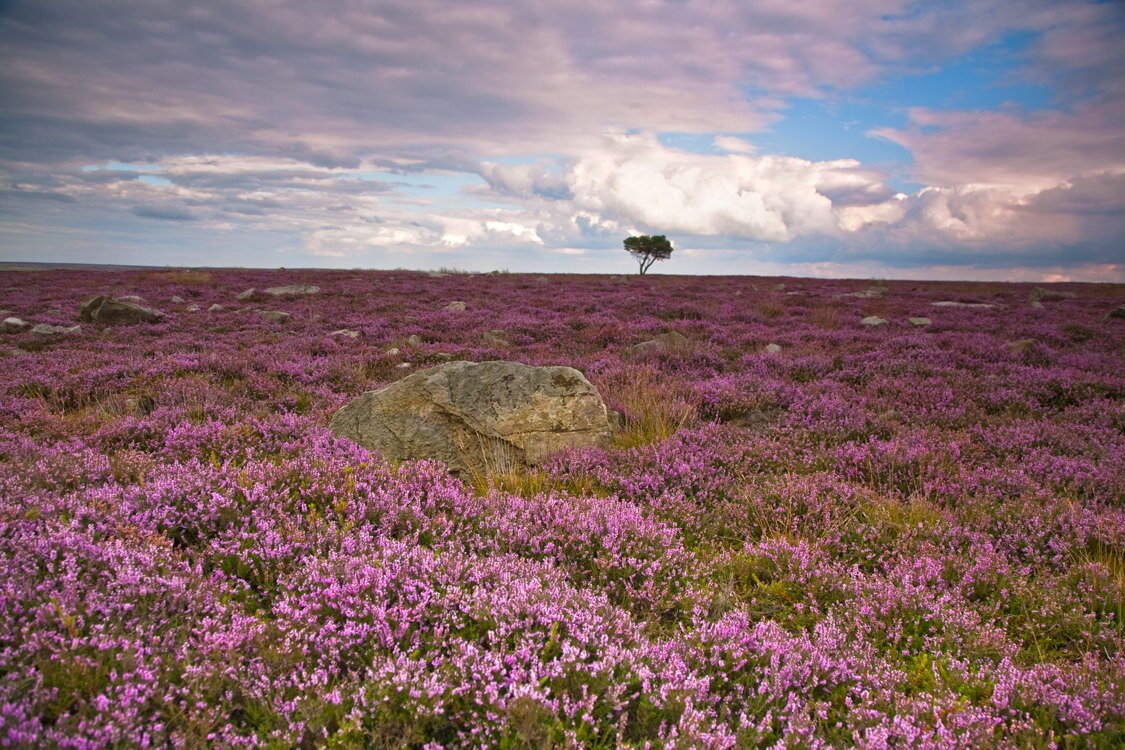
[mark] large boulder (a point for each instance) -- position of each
(117, 312)
(478, 417)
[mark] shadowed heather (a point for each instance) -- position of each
(892, 535)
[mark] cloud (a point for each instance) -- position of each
(167, 213)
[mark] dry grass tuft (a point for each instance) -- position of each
(181, 276)
(654, 407)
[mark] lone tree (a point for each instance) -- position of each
(647, 250)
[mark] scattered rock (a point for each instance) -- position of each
(664, 342)
(456, 305)
(404, 365)
(215, 308)
(248, 294)
(1117, 312)
(109, 311)
(393, 351)
(14, 325)
(920, 321)
(874, 321)
(177, 299)
(193, 308)
(54, 311)
(45, 329)
(413, 340)
(871, 292)
(496, 338)
(1039, 293)
(292, 290)
(130, 298)
(345, 333)
(477, 416)
(772, 349)
(962, 304)
(275, 316)
(443, 356)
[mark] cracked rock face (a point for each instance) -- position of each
(478, 417)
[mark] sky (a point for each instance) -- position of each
(974, 139)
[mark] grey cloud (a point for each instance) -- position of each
(167, 213)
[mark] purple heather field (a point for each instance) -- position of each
(901, 536)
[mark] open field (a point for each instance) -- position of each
(896, 536)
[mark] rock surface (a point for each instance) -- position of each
(920, 321)
(275, 316)
(292, 290)
(773, 349)
(248, 294)
(664, 342)
(948, 303)
(1117, 312)
(215, 308)
(14, 325)
(874, 321)
(46, 329)
(456, 305)
(115, 312)
(478, 416)
(345, 333)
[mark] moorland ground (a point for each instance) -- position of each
(894, 535)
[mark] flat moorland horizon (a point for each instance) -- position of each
(833, 513)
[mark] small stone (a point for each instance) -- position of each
(45, 329)
(131, 298)
(193, 308)
(177, 299)
(14, 325)
(215, 308)
(456, 305)
(275, 316)
(443, 356)
(664, 342)
(404, 366)
(873, 321)
(393, 351)
(772, 349)
(413, 340)
(920, 321)
(346, 333)
(248, 294)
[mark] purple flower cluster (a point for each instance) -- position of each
(905, 536)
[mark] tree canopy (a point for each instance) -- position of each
(647, 250)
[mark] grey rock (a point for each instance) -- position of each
(215, 308)
(393, 351)
(193, 308)
(54, 311)
(443, 356)
(920, 321)
(14, 325)
(404, 365)
(873, 321)
(772, 349)
(45, 329)
(274, 316)
(130, 298)
(292, 290)
(345, 333)
(456, 305)
(669, 341)
(109, 311)
(413, 340)
(1039, 293)
(948, 303)
(177, 300)
(496, 338)
(1117, 312)
(478, 416)
(248, 294)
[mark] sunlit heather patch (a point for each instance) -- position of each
(872, 538)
